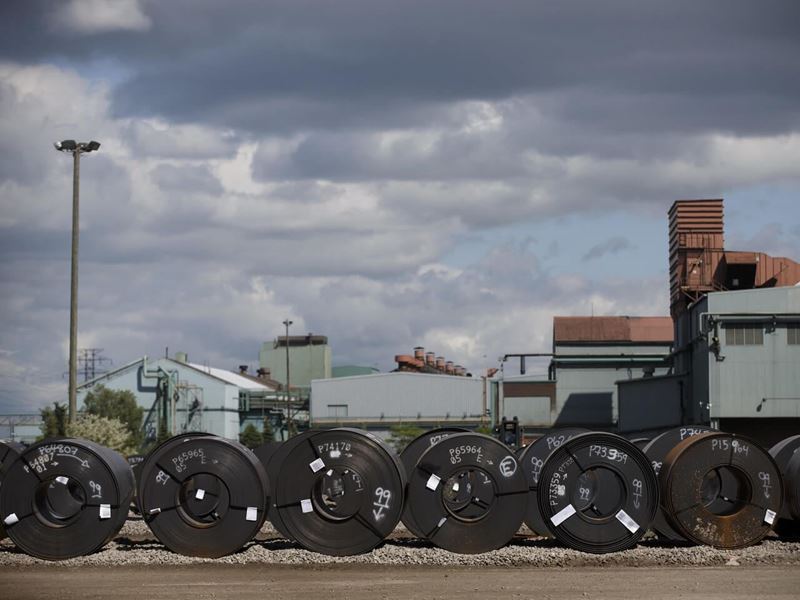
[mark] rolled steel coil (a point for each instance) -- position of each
(203, 495)
(721, 490)
(9, 451)
(411, 455)
(786, 454)
(340, 491)
(532, 460)
(656, 451)
(70, 498)
(598, 493)
(467, 493)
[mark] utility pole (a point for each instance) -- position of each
(76, 148)
(287, 322)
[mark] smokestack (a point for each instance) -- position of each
(440, 363)
(448, 367)
(430, 358)
(419, 353)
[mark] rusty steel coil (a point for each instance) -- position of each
(340, 491)
(71, 497)
(656, 451)
(721, 490)
(410, 456)
(468, 494)
(532, 460)
(787, 456)
(203, 495)
(598, 493)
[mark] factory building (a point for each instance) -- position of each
(309, 358)
(184, 396)
(589, 356)
(377, 402)
(736, 356)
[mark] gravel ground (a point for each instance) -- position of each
(136, 545)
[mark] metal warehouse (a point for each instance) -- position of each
(379, 401)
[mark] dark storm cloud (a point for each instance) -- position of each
(286, 66)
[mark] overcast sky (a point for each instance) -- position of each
(448, 174)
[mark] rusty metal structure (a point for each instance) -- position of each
(427, 362)
(699, 262)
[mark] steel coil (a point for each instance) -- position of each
(598, 493)
(70, 498)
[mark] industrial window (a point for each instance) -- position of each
(744, 335)
(337, 410)
(793, 335)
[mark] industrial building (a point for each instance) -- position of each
(309, 357)
(728, 356)
(377, 402)
(184, 396)
(589, 355)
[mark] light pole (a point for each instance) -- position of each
(287, 322)
(76, 148)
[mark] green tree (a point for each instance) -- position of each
(117, 404)
(111, 433)
(267, 434)
(251, 437)
(402, 434)
(54, 421)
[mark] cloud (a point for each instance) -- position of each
(96, 16)
(612, 245)
(326, 161)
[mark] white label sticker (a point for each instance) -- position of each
(154, 511)
(562, 515)
(105, 511)
(252, 514)
(433, 482)
(769, 518)
(200, 494)
(626, 520)
(441, 522)
(11, 519)
(317, 465)
(62, 480)
(456, 487)
(306, 506)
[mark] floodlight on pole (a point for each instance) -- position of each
(76, 149)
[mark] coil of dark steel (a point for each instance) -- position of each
(409, 457)
(598, 493)
(787, 456)
(203, 495)
(274, 456)
(721, 490)
(71, 497)
(468, 494)
(532, 460)
(656, 451)
(340, 491)
(9, 451)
